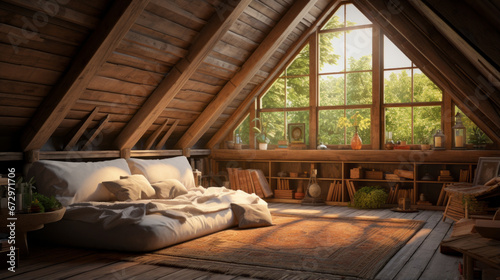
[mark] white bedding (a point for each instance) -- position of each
(146, 225)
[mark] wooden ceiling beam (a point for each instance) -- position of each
(258, 58)
(212, 32)
(438, 59)
(249, 100)
(103, 41)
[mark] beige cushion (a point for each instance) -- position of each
(156, 170)
(133, 187)
(169, 188)
(252, 215)
(72, 182)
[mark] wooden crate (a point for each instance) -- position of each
(357, 173)
(372, 174)
(283, 193)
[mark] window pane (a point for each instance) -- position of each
(328, 132)
(298, 92)
(359, 49)
(393, 57)
(355, 16)
(300, 117)
(331, 90)
(424, 90)
(275, 96)
(244, 131)
(426, 120)
(398, 121)
(363, 124)
(300, 66)
(359, 88)
(331, 52)
(337, 20)
(472, 131)
(274, 123)
(397, 86)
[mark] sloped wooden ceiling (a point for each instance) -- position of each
(163, 74)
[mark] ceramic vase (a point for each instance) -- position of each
(262, 146)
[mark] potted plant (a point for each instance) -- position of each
(425, 144)
(478, 138)
(261, 134)
(358, 121)
(24, 190)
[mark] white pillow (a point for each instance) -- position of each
(156, 170)
(133, 187)
(169, 188)
(72, 182)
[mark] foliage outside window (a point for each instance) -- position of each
(287, 101)
(412, 102)
(243, 130)
(474, 133)
(345, 75)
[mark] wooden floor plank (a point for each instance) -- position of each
(398, 261)
(40, 259)
(139, 271)
(441, 266)
(420, 259)
(111, 271)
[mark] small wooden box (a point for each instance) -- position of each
(372, 174)
(357, 173)
(284, 193)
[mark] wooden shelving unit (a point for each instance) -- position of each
(335, 165)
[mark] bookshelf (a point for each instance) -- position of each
(422, 171)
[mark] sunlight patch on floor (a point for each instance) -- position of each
(420, 234)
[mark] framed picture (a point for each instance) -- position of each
(487, 168)
(296, 133)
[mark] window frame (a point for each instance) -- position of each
(377, 106)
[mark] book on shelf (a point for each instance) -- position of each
(250, 181)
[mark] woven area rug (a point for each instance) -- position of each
(296, 246)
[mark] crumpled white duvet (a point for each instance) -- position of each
(197, 201)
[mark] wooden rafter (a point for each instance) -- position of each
(213, 31)
(81, 130)
(258, 58)
(249, 100)
(152, 138)
(438, 59)
(98, 130)
(92, 55)
(165, 137)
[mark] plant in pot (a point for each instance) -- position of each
(261, 134)
(425, 144)
(478, 138)
(358, 122)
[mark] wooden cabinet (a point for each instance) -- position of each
(425, 173)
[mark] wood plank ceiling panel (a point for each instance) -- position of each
(211, 33)
(92, 54)
(37, 44)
